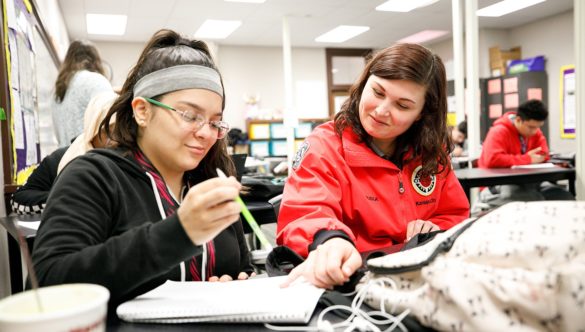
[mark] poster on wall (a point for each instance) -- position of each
(567, 95)
(20, 50)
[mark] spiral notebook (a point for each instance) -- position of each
(241, 301)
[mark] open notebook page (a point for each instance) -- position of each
(252, 300)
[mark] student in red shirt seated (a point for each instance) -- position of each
(516, 139)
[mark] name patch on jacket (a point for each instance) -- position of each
(300, 154)
(424, 186)
(426, 202)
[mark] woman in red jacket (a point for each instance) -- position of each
(378, 174)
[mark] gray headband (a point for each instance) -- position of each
(178, 78)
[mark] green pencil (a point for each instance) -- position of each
(249, 218)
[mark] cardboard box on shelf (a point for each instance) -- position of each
(499, 59)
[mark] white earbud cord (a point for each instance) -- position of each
(358, 320)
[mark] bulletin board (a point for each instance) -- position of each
(567, 101)
(503, 94)
(28, 61)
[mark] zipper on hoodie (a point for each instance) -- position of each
(400, 184)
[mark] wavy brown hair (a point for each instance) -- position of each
(165, 49)
(81, 55)
(428, 136)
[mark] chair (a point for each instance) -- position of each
(266, 216)
(268, 226)
(275, 202)
(14, 249)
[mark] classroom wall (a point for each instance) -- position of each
(53, 21)
(121, 57)
(261, 73)
(551, 37)
(4, 266)
(248, 71)
(487, 39)
(258, 71)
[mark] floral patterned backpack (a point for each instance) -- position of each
(520, 267)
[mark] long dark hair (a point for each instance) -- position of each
(165, 49)
(428, 137)
(80, 55)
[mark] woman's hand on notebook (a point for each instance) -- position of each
(331, 264)
(209, 207)
(226, 277)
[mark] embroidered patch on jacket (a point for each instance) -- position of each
(300, 154)
(424, 186)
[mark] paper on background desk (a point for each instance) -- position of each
(32, 225)
(542, 165)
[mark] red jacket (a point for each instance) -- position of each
(502, 147)
(341, 184)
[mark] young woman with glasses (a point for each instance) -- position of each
(153, 208)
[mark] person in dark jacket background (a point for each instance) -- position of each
(153, 208)
(32, 196)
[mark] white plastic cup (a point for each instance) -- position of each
(69, 307)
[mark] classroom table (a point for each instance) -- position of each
(460, 162)
(118, 326)
(484, 177)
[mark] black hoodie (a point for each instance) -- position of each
(102, 225)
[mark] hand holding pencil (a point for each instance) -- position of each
(208, 208)
(249, 218)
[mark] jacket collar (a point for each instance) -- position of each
(359, 154)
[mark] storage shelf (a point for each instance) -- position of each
(267, 138)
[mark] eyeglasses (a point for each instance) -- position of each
(221, 127)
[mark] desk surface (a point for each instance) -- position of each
(479, 177)
(26, 232)
(116, 325)
(490, 173)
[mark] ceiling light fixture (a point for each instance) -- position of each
(341, 34)
(506, 7)
(217, 29)
(423, 36)
(404, 5)
(247, 1)
(104, 24)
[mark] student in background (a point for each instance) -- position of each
(81, 77)
(92, 136)
(378, 174)
(516, 139)
(32, 196)
(152, 209)
(458, 137)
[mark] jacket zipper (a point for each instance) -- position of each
(400, 184)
